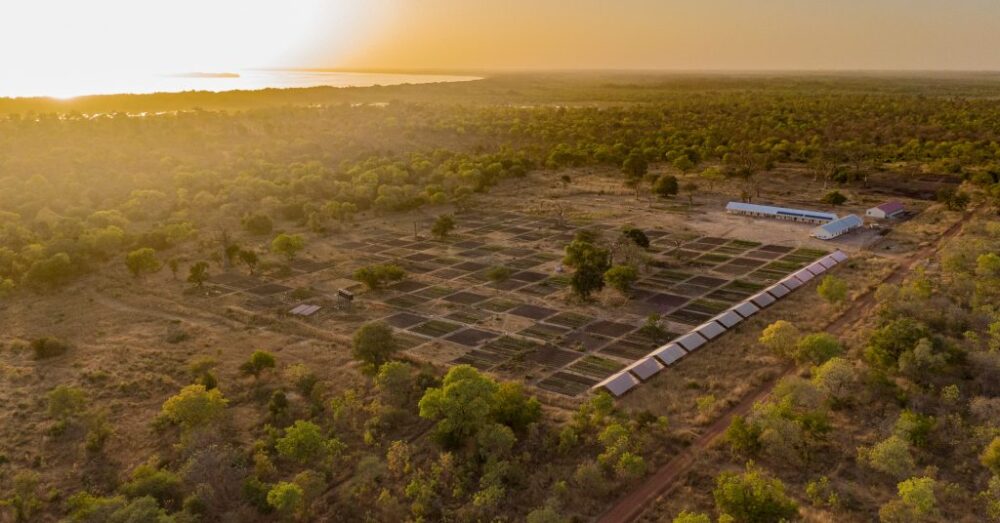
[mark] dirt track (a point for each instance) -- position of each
(632, 505)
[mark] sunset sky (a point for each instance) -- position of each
(63, 36)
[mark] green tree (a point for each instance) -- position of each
(817, 348)
(635, 165)
(305, 443)
(395, 383)
(916, 502)
(990, 458)
(513, 407)
(834, 198)
(259, 224)
(160, 484)
(637, 236)
(259, 362)
(891, 456)
(887, 343)
(666, 186)
(914, 427)
(66, 402)
(691, 517)
(194, 406)
(287, 499)
(780, 337)
(288, 245)
(498, 275)
(374, 276)
(443, 226)
(374, 344)
(832, 289)
(621, 277)
(461, 406)
(142, 261)
(753, 497)
(250, 259)
(198, 274)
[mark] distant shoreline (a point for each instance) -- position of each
(205, 75)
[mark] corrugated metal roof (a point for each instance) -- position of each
(746, 309)
(839, 226)
(779, 211)
(646, 368)
(619, 384)
(728, 319)
(670, 353)
(710, 330)
(891, 207)
(690, 341)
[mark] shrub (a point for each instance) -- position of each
(753, 497)
(817, 348)
(44, 348)
(891, 456)
(195, 406)
(374, 344)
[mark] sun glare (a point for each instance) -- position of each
(66, 49)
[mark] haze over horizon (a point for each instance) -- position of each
(63, 39)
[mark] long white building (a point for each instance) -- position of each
(780, 213)
(838, 227)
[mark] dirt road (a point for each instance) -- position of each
(634, 503)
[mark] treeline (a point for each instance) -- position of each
(82, 189)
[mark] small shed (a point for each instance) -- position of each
(891, 209)
(838, 227)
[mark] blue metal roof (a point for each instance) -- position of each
(779, 211)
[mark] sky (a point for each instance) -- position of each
(65, 37)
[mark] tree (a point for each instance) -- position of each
(498, 275)
(514, 408)
(374, 276)
(395, 383)
(690, 188)
(50, 272)
(712, 176)
(66, 402)
(258, 362)
(887, 343)
(637, 236)
(288, 245)
(990, 458)
(259, 224)
(590, 262)
(691, 517)
(621, 277)
(891, 456)
(666, 186)
(198, 273)
(635, 165)
(443, 226)
(817, 348)
(753, 497)
(834, 198)
(305, 443)
(916, 502)
(160, 484)
(837, 378)
(461, 406)
(194, 406)
(250, 259)
(287, 499)
(374, 344)
(142, 261)
(780, 337)
(832, 289)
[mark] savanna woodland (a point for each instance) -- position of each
(131, 396)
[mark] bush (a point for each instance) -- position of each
(891, 456)
(834, 198)
(817, 348)
(259, 224)
(375, 276)
(48, 348)
(753, 497)
(374, 344)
